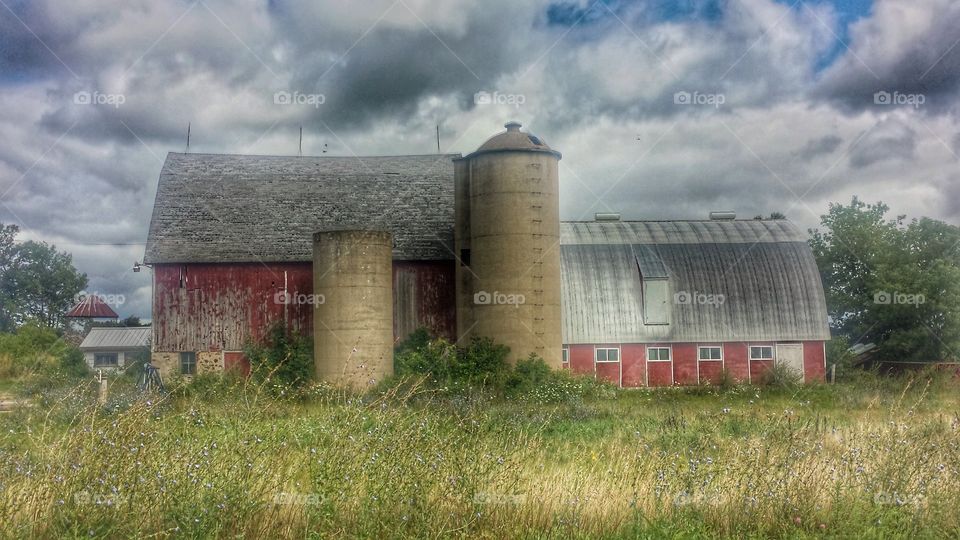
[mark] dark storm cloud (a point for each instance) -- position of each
(816, 147)
(890, 139)
(392, 68)
(880, 60)
(597, 83)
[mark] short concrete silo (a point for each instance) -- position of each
(353, 320)
(511, 284)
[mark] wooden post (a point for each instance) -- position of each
(102, 391)
(833, 374)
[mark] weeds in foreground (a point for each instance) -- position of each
(236, 460)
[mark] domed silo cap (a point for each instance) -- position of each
(514, 140)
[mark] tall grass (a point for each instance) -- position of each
(235, 460)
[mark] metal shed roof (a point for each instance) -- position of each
(237, 208)
(764, 272)
(117, 338)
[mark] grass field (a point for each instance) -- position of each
(877, 459)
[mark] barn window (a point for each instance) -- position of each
(188, 363)
(711, 353)
(655, 302)
(608, 355)
(565, 353)
(105, 360)
(658, 354)
(761, 352)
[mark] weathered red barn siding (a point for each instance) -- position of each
(236, 362)
(581, 359)
(685, 364)
(217, 307)
(608, 371)
(711, 371)
(634, 358)
(424, 295)
(685, 368)
(814, 362)
(660, 372)
(213, 307)
(758, 369)
(736, 361)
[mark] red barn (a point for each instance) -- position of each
(655, 303)
(643, 303)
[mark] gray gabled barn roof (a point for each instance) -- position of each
(238, 208)
(116, 338)
(764, 270)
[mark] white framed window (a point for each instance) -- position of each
(607, 355)
(106, 360)
(658, 354)
(761, 352)
(710, 352)
(565, 355)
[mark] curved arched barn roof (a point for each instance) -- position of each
(748, 280)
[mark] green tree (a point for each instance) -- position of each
(8, 235)
(891, 282)
(37, 282)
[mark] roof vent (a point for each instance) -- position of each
(723, 216)
(513, 125)
(606, 216)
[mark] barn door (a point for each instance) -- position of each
(791, 355)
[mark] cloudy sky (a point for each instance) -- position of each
(663, 110)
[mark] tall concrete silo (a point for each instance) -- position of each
(353, 319)
(508, 240)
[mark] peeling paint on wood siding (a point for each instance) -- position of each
(217, 307)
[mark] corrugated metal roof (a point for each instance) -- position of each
(236, 208)
(92, 307)
(117, 338)
(764, 271)
(679, 232)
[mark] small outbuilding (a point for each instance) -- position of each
(113, 348)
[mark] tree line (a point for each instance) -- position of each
(38, 283)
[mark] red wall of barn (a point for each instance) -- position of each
(581, 359)
(814, 361)
(735, 361)
(608, 371)
(634, 358)
(210, 307)
(685, 367)
(424, 294)
(685, 364)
